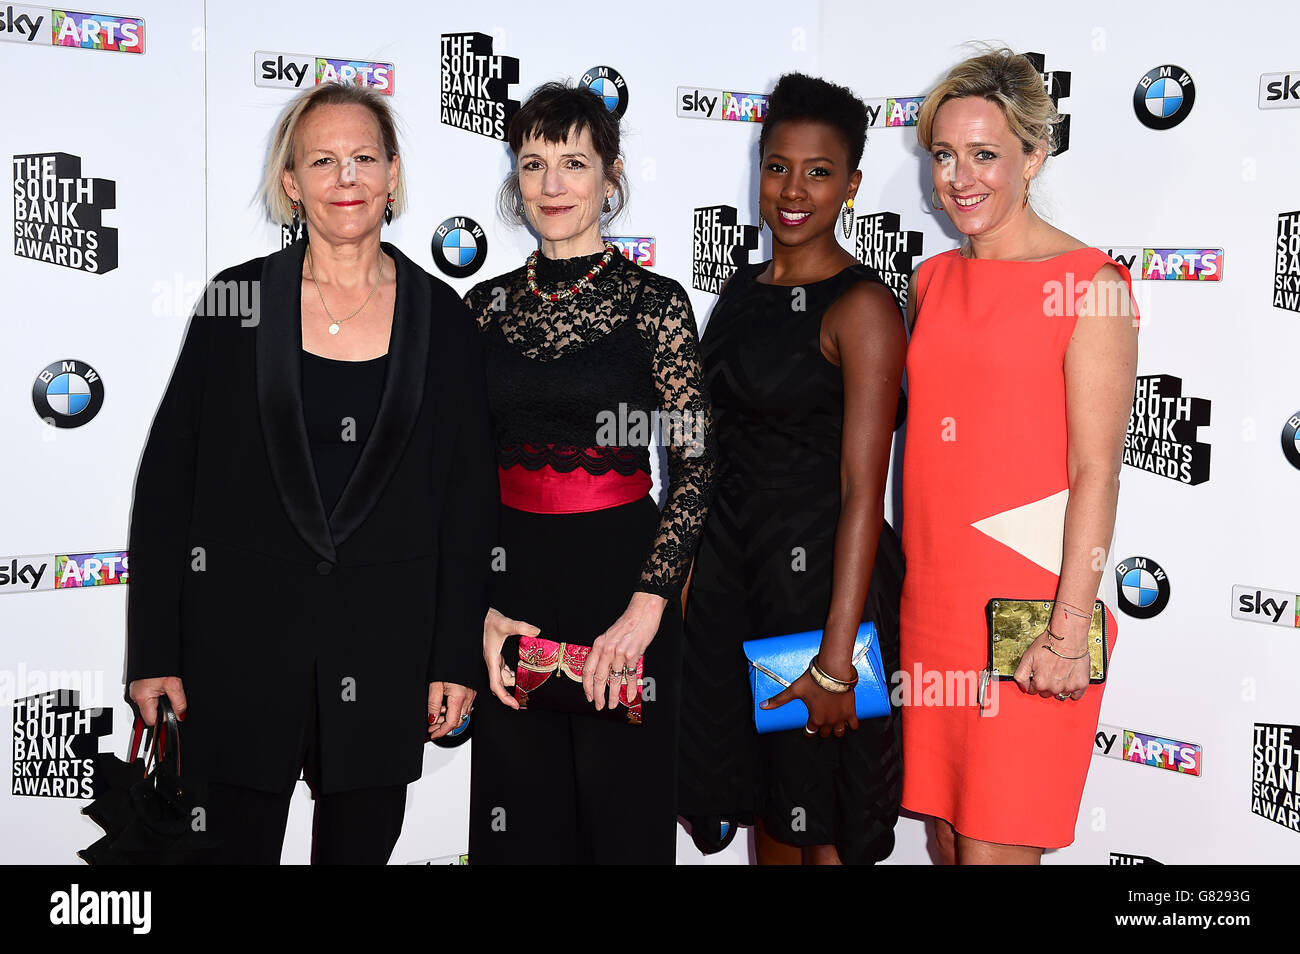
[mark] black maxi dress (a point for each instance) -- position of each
(571, 384)
(764, 568)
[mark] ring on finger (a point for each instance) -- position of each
(809, 730)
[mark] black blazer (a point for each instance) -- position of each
(263, 604)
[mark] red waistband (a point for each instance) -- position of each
(547, 490)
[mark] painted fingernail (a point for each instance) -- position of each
(430, 718)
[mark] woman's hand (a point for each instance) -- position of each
(827, 711)
(620, 648)
(145, 692)
(1046, 673)
(496, 630)
(449, 706)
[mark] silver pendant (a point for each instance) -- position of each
(334, 328)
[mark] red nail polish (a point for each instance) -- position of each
(430, 718)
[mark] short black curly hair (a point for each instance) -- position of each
(798, 96)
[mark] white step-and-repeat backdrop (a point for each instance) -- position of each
(136, 137)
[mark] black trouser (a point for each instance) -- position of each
(358, 827)
(552, 788)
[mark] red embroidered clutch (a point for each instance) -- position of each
(548, 675)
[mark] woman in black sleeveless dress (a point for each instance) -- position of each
(803, 361)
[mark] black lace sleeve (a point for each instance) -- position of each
(686, 431)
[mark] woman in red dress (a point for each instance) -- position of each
(1021, 373)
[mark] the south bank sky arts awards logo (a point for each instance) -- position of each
(42, 26)
(55, 742)
(1275, 774)
(881, 243)
(275, 70)
(1162, 430)
(476, 85)
(58, 213)
(1286, 271)
(719, 245)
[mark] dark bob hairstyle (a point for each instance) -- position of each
(553, 113)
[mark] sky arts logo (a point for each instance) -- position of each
(63, 571)
(476, 85)
(459, 246)
(639, 249)
(86, 31)
(892, 111)
(1142, 587)
(1164, 97)
(608, 84)
(293, 70)
(696, 103)
(1115, 743)
(1275, 607)
(68, 393)
(1170, 264)
(1280, 90)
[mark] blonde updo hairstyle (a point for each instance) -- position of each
(281, 154)
(1006, 79)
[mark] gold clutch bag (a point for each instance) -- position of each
(1015, 624)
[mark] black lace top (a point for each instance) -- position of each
(587, 381)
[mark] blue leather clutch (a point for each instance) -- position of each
(777, 661)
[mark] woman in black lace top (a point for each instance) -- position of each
(588, 356)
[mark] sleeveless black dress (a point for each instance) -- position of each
(764, 568)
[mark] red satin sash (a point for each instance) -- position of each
(547, 490)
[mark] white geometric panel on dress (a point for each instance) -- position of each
(1036, 531)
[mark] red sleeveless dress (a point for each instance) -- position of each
(984, 492)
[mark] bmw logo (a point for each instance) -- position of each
(459, 246)
(1143, 587)
(68, 393)
(608, 84)
(1164, 97)
(1291, 439)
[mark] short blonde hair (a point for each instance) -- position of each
(280, 157)
(1006, 79)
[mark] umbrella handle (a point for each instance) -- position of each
(158, 744)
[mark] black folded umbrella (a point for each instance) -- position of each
(149, 817)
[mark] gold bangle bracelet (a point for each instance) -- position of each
(828, 682)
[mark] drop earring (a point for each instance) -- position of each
(388, 210)
(846, 218)
(605, 208)
(295, 225)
